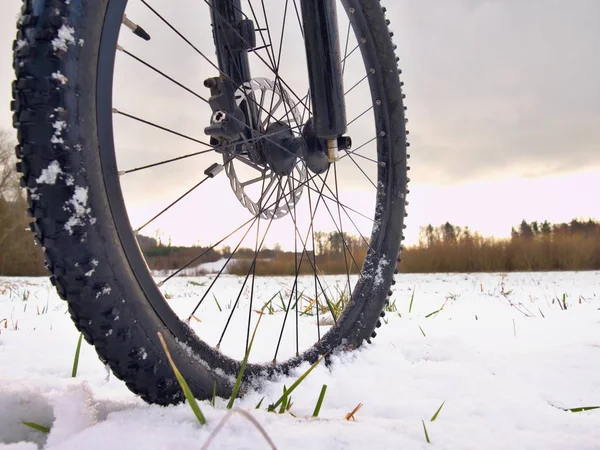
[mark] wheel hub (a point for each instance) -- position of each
(264, 168)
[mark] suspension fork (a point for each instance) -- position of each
(322, 42)
(234, 36)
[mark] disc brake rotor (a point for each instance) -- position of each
(257, 187)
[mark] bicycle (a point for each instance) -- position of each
(293, 142)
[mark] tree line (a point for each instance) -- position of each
(532, 246)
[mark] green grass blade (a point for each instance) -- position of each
(295, 384)
(432, 313)
(259, 403)
(285, 401)
(582, 408)
(76, 358)
(412, 297)
(283, 308)
(435, 416)
(332, 309)
(422, 331)
(37, 427)
(320, 401)
(217, 302)
(184, 386)
(238, 381)
(268, 302)
(426, 433)
(214, 394)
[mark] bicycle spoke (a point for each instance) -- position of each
(346, 49)
(161, 73)
(339, 230)
(166, 161)
(219, 242)
(350, 54)
(260, 58)
(160, 127)
(173, 203)
(346, 209)
(360, 115)
(187, 41)
(311, 262)
(256, 250)
(312, 231)
(356, 84)
(344, 206)
(223, 268)
(342, 229)
(255, 220)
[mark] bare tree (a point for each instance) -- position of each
(8, 176)
(18, 253)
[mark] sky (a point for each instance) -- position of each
(503, 107)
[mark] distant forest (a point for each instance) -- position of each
(535, 246)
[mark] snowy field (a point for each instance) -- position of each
(505, 358)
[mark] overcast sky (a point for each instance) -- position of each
(504, 106)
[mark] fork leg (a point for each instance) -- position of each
(321, 38)
(233, 36)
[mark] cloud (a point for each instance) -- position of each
(500, 87)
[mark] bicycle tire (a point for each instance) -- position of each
(58, 54)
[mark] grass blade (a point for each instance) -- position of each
(217, 302)
(214, 394)
(295, 384)
(582, 408)
(37, 427)
(284, 402)
(259, 403)
(422, 331)
(412, 297)
(76, 358)
(433, 313)
(238, 381)
(184, 386)
(320, 401)
(435, 416)
(426, 433)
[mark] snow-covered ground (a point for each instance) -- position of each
(220, 265)
(502, 354)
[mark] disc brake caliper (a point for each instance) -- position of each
(227, 121)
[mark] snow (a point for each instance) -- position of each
(60, 77)
(216, 266)
(59, 126)
(64, 38)
(49, 175)
(20, 44)
(78, 207)
(501, 353)
(202, 269)
(383, 262)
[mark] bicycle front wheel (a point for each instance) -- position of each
(109, 152)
